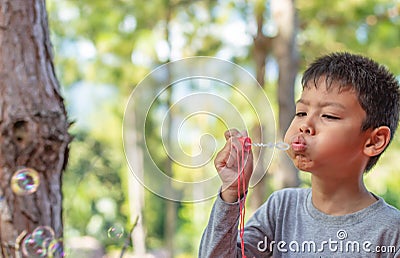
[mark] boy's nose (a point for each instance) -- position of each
(304, 128)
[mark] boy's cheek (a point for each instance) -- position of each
(288, 134)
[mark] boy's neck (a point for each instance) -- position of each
(340, 197)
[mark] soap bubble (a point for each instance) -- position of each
(25, 181)
(56, 249)
(30, 248)
(37, 243)
(115, 232)
(42, 235)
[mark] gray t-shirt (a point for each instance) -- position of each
(288, 225)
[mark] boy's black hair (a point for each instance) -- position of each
(377, 88)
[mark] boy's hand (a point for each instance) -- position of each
(226, 164)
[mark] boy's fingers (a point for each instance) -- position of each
(227, 156)
(230, 133)
(231, 159)
(222, 157)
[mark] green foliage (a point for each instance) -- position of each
(368, 27)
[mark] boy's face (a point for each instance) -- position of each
(325, 134)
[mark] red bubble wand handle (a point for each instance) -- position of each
(246, 143)
(246, 147)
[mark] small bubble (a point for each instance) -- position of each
(30, 248)
(37, 243)
(115, 232)
(25, 181)
(56, 249)
(42, 235)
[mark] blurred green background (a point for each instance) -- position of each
(103, 49)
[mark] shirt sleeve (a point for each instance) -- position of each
(259, 231)
(221, 236)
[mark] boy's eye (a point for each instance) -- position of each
(300, 114)
(331, 117)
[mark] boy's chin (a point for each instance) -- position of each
(303, 163)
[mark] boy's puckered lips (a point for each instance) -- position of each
(298, 143)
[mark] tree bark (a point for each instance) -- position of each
(33, 123)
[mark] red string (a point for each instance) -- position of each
(242, 202)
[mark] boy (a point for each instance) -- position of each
(345, 118)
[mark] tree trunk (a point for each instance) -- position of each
(171, 206)
(33, 123)
(262, 46)
(285, 51)
(135, 189)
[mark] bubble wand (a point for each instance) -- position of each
(246, 141)
(241, 184)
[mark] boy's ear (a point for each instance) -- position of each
(377, 141)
